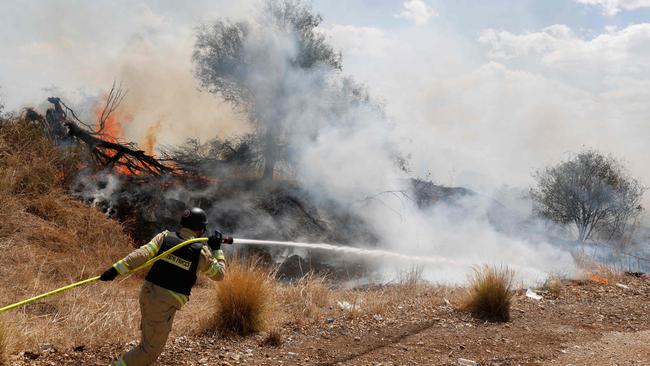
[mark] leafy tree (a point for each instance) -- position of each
(255, 64)
(591, 191)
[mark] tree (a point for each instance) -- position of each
(591, 191)
(255, 66)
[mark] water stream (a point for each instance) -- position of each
(362, 252)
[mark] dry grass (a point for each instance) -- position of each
(274, 338)
(596, 271)
(552, 287)
(490, 293)
(305, 299)
(61, 241)
(5, 343)
(244, 299)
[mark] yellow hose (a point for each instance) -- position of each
(93, 279)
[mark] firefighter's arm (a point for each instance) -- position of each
(140, 255)
(213, 264)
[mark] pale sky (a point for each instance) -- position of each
(482, 92)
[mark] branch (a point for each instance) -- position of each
(113, 100)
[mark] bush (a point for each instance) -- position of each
(244, 298)
(490, 293)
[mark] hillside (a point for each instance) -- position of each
(54, 240)
(51, 240)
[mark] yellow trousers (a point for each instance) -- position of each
(157, 310)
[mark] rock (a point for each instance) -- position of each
(31, 355)
(79, 348)
(47, 348)
(294, 267)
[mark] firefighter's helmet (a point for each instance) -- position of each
(194, 219)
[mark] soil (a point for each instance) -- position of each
(589, 323)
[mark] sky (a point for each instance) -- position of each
(482, 93)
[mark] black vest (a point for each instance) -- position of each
(177, 271)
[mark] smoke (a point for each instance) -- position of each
(482, 111)
(344, 147)
(146, 49)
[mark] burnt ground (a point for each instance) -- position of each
(587, 324)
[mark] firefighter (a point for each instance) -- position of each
(168, 284)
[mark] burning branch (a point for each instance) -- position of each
(113, 100)
(126, 158)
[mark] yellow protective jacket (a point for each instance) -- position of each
(212, 264)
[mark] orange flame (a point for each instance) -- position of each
(599, 279)
(112, 131)
(113, 128)
(149, 141)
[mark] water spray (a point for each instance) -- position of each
(373, 253)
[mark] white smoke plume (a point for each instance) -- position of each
(481, 112)
(344, 147)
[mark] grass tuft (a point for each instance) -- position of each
(274, 338)
(552, 287)
(490, 293)
(244, 298)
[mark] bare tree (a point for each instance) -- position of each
(591, 191)
(258, 79)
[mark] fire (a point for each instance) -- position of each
(125, 158)
(149, 141)
(113, 125)
(112, 131)
(599, 279)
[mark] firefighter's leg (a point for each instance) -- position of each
(157, 314)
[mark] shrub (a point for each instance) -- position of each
(490, 293)
(244, 298)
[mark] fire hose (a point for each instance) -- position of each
(96, 278)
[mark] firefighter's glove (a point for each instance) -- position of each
(109, 274)
(215, 240)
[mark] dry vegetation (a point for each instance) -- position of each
(490, 293)
(55, 240)
(244, 299)
(5, 346)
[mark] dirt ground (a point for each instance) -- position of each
(587, 324)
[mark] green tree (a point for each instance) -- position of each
(591, 191)
(254, 65)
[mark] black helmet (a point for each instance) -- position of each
(194, 219)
